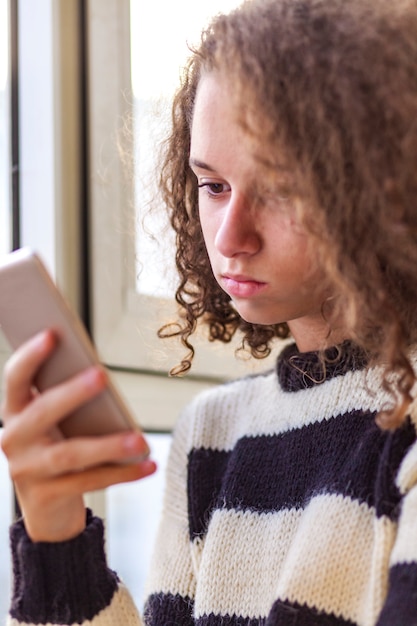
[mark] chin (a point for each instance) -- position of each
(262, 318)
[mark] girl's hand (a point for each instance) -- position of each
(51, 473)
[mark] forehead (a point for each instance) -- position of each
(214, 104)
(219, 139)
(215, 129)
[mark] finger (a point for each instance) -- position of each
(80, 454)
(21, 369)
(48, 408)
(98, 478)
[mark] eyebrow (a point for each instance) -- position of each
(201, 165)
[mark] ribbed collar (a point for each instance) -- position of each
(299, 370)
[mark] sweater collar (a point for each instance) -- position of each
(300, 370)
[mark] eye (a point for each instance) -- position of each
(214, 189)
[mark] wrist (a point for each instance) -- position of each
(59, 525)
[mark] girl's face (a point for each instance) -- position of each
(258, 252)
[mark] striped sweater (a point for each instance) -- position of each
(285, 506)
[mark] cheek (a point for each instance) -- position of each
(209, 230)
(292, 255)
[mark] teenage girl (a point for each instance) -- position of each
(291, 496)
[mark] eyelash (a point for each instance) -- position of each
(209, 189)
(280, 197)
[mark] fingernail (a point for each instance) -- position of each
(148, 466)
(95, 376)
(134, 442)
(45, 339)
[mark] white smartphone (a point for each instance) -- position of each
(29, 303)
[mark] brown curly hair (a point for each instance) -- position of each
(332, 84)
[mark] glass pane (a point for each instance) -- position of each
(158, 51)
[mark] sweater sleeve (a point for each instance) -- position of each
(67, 583)
(401, 603)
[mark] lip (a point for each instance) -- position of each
(241, 286)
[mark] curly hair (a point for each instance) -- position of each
(332, 84)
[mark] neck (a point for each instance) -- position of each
(314, 334)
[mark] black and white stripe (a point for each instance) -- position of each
(293, 507)
(285, 505)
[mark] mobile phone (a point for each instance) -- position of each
(29, 303)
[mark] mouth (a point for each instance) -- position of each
(240, 286)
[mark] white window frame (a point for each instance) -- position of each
(49, 116)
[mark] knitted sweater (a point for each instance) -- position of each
(285, 505)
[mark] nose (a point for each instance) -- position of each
(237, 232)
